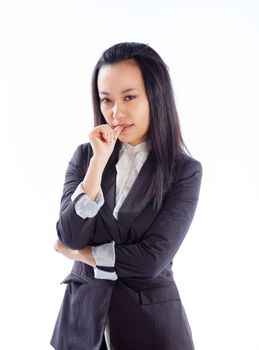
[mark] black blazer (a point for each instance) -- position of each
(143, 305)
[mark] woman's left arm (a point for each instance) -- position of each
(148, 258)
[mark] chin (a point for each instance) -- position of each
(124, 139)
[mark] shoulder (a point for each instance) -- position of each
(82, 155)
(186, 166)
(186, 180)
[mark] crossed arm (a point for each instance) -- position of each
(147, 258)
(84, 255)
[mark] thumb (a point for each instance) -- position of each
(117, 131)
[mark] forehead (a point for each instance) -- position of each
(119, 76)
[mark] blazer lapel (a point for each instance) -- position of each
(109, 187)
(106, 211)
(133, 204)
(135, 201)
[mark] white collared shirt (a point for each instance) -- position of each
(131, 160)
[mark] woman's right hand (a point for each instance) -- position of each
(103, 139)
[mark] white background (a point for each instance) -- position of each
(48, 51)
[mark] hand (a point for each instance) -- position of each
(103, 139)
(71, 254)
(84, 255)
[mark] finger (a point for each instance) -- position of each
(117, 132)
(108, 131)
(103, 133)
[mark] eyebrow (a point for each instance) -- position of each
(122, 92)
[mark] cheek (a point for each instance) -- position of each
(146, 117)
(105, 113)
(147, 125)
(102, 110)
(143, 113)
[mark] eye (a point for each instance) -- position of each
(129, 97)
(104, 100)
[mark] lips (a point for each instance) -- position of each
(125, 126)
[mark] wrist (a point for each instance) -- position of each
(85, 255)
(99, 161)
(93, 177)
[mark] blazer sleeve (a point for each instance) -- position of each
(149, 257)
(73, 230)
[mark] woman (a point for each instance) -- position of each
(128, 201)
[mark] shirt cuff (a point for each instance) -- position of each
(84, 206)
(105, 275)
(104, 254)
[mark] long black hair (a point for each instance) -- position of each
(164, 132)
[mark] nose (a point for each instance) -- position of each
(118, 113)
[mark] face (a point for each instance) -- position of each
(123, 100)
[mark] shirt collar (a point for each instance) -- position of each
(132, 150)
